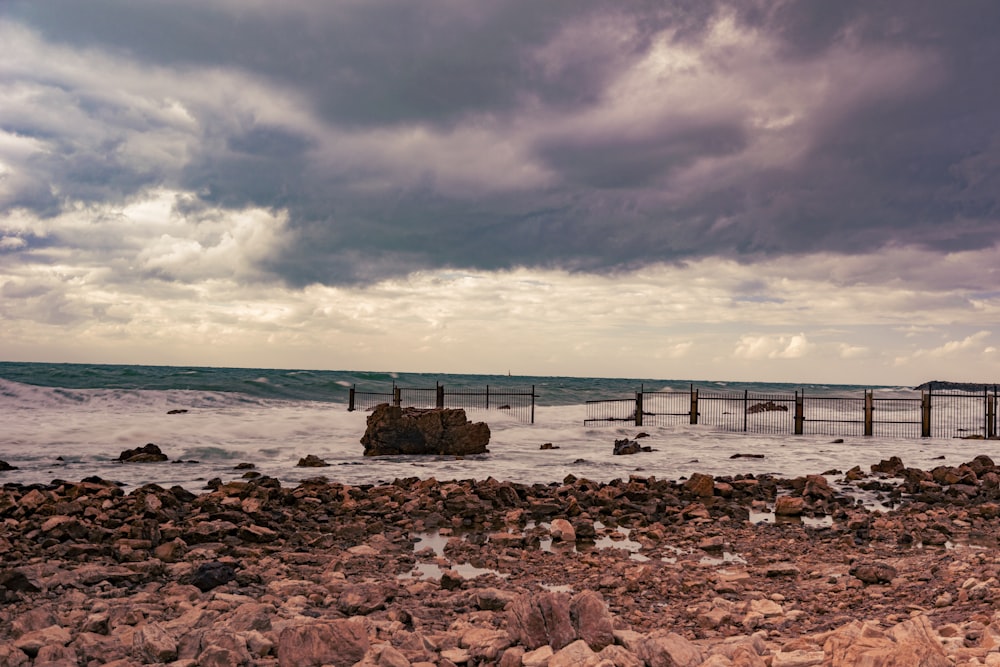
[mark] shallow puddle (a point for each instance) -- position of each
(810, 521)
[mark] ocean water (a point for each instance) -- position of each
(70, 421)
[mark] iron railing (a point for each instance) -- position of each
(518, 402)
(931, 414)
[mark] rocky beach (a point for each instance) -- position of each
(887, 566)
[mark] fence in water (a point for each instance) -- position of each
(518, 402)
(948, 414)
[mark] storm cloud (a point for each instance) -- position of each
(587, 136)
(760, 189)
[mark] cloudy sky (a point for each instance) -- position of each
(752, 190)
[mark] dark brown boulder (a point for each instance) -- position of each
(444, 431)
(150, 453)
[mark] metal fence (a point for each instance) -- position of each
(931, 414)
(518, 402)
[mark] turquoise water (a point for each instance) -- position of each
(333, 386)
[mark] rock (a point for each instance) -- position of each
(767, 406)
(577, 654)
(11, 656)
(668, 649)
(789, 506)
(18, 581)
(149, 453)
(393, 430)
(340, 643)
(891, 467)
(177, 411)
(154, 644)
(700, 485)
(32, 642)
(797, 658)
(562, 530)
(591, 619)
(625, 447)
(311, 461)
(747, 456)
(540, 619)
(6, 466)
(909, 643)
(875, 572)
(211, 575)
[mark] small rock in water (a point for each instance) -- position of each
(6, 466)
(626, 446)
(747, 456)
(245, 466)
(311, 461)
(178, 411)
(150, 453)
(548, 445)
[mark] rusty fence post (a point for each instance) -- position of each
(800, 412)
(694, 405)
(439, 401)
(397, 398)
(350, 399)
(869, 413)
(638, 408)
(991, 413)
(925, 414)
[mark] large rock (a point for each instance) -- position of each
(540, 619)
(150, 453)
(393, 430)
(340, 643)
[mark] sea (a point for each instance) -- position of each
(72, 421)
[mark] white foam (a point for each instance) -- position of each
(89, 428)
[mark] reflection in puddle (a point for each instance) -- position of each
(810, 521)
(723, 560)
(435, 571)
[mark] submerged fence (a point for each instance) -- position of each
(949, 414)
(519, 402)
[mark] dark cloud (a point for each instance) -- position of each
(416, 106)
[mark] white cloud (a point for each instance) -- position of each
(757, 348)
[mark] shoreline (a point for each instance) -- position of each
(466, 572)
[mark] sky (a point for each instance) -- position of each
(756, 190)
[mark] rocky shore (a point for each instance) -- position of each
(888, 566)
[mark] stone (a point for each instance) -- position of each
(18, 581)
(668, 649)
(891, 467)
(561, 529)
(577, 654)
(591, 619)
(211, 575)
(149, 453)
(311, 461)
(539, 619)
(789, 506)
(626, 447)
(6, 466)
(339, 643)
(32, 642)
(797, 658)
(538, 658)
(874, 572)
(154, 644)
(700, 485)
(393, 430)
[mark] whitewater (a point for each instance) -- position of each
(59, 428)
